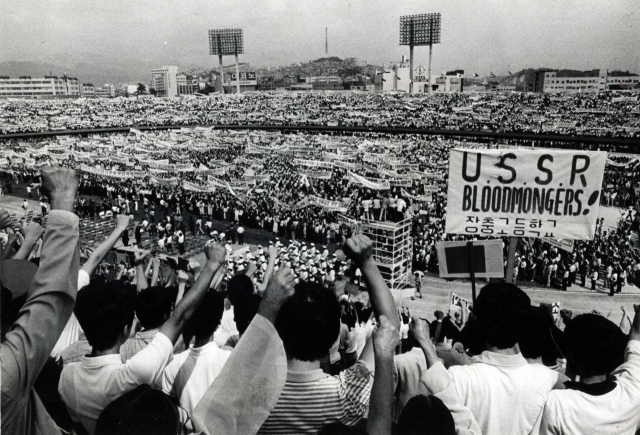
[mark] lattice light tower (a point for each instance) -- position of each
(392, 249)
(421, 29)
(226, 42)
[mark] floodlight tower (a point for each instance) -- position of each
(226, 42)
(421, 29)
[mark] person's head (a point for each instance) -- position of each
(424, 415)
(245, 301)
(540, 338)
(153, 306)
(499, 309)
(205, 320)
(105, 313)
(594, 345)
(143, 411)
(309, 322)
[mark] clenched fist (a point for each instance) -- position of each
(32, 232)
(278, 291)
(358, 248)
(122, 222)
(60, 186)
(215, 253)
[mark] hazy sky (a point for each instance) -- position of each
(479, 36)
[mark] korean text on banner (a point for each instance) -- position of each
(531, 193)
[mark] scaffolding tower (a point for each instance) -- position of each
(392, 249)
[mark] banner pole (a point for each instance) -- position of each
(511, 258)
(472, 273)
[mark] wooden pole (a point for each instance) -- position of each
(430, 52)
(411, 69)
(511, 259)
(472, 273)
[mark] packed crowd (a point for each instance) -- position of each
(205, 351)
(305, 188)
(592, 114)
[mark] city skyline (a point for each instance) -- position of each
(492, 36)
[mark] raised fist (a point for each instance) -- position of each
(215, 252)
(32, 231)
(60, 186)
(122, 221)
(419, 329)
(358, 248)
(280, 287)
(139, 256)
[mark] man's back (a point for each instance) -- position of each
(89, 386)
(504, 392)
(585, 409)
(311, 400)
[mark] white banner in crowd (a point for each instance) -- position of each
(532, 193)
(358, 179)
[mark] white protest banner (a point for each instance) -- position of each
(426, 198)
(328, 204)
(196, 188)
(534, 193)
(460, 301)
(346, 165)
(355, 178)
(565, 245)
(313, 163)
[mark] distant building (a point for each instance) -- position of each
(107, 91)
(450, 81)
(328, 83)
(248, 82)
(397, 78)
(87, 90)
(585, 81)
(47, 86)
(164, 81)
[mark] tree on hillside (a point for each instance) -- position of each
(142, 89)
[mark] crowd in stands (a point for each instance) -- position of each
(603, 114)
(208, 349)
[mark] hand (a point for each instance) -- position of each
(122, 222)
(32, 232)
(280, 288)
(273, 251)
(439, 314)
(120, 268)
(5, 219)
(182, 276)
(139, 256)
(215, 253)
(623, 310)
(385, 338)
(566, 315)
(419, 329)
(60, 186)
(251, 269)
(8, 252)
(358, 248)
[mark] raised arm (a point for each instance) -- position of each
(156, 271)
(32, 233)
(141, 273)
(385, 339)
(216, 255)
(122, 223)
(360, 249)
(52, 293)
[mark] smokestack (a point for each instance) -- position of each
(326, 41)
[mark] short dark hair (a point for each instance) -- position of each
(540, 337)
(309, 322)
(500, 309)
(205, 320)
(143, 410)
(594, 344)
(103, 311)
(426, 415)
(245, 301)
(153, 306)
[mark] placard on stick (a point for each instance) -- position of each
(488, 259)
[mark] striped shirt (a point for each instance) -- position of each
(311, 400)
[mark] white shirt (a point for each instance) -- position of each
(191, 373)
(618, 411)
(87, 387)
(71, 332)
(504, 392)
